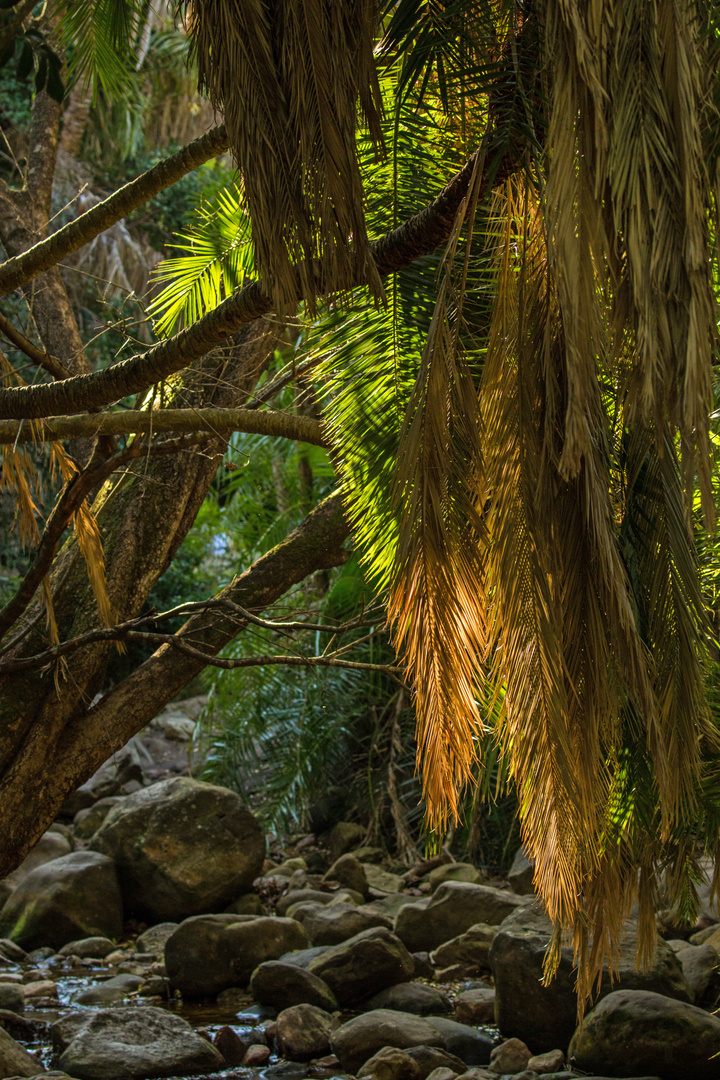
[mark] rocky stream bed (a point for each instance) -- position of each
(148, 935)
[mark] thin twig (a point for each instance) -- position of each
(38, 356)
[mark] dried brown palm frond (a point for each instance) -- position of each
(437, 603)
(287, 78)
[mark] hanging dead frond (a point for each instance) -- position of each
(436, 603)
(287, 79)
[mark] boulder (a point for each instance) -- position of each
(700, 968)
(50, 846)
(631, 1032)
(182, 847)
(550, 1062)
(230, 1045)
(303, 958)
(410, 997)
(345, 836)
(455, 906)
(468, 1043)
(361, 1037)
(381, 881)
(283, 985)
(120, 769)
(476, 1007)
(303, 1032)
(88, 821)
(109, 991)
(303, 896)
(510, 1057)
(430, 1058)
(329, 924)
(91, 947)
(453, 872)
(121, 1043)
(15, 1059)
(248, 904)
(470, 950)
(442, 1074)
(11, 952)
(520, 875)
(11, 997)
(154, 939)
(74, 896)
(544, 1016)
(364, 965)
(391, 1064)
(348, 871)
(209, 953)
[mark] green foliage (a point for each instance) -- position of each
(99, 36)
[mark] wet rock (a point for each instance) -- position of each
(19, 1027)
(329, 924)
(117, 771)
(454, 907)
(476, 1007)
(92, 947)
(40, 988)
(50, 846)
(423, 967)
(302, 896)
(303, 1032)
(345, 836)
(391, 1064)
(357, 1040)
(631, 1032)
(545, 1016)
(442, 1074)
(705, 935)
(410, 997)
(11, 951)
(230, 1045)
(520, 876)
(283, 985)
(109, 991)
(11, 998)
(304, 957)
(71, 897)
(349, 872)
(209, 953)
(549, 1062)
(430, 1058)
(36, 956)
(182, 847)
(364, 965)
(15, 1059)
(470, 951)
(114, 1044)
(453, 872)
(468, 1043)
(257, 1055)
(249, 904)
(154, 939)
(511, 1056)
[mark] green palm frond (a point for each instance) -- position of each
(218, 257)
(99, 36)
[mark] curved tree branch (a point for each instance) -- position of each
(418, 236)
(43, 256)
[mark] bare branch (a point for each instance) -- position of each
(152, 421)
(38, 356)
(83, 229)
(417, 236)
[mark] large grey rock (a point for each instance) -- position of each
(120, 769)
(50, 846)
(361, 1037)
(95, 947)
(348, 871)
(88, 821)
(455, 906)
(182, 847)
(14, 1058)
(476, 1007)
(468, 1043)
(109, 991)
(71, 897)
(303, 1032)
(345, 836)
(430, 1058)
(209, 953)
(520, 875)
(453, 872)
(391, 1064)
(382, 881)
(283, 985)
(303, 896)
(154, 939)
(114, 1044)
(631, 1032)
(303, 958)
(11, 997)
(544, 1016)
(329, 924)
(364, 965)
(700, 968)
(412, 997)
(471, 949)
